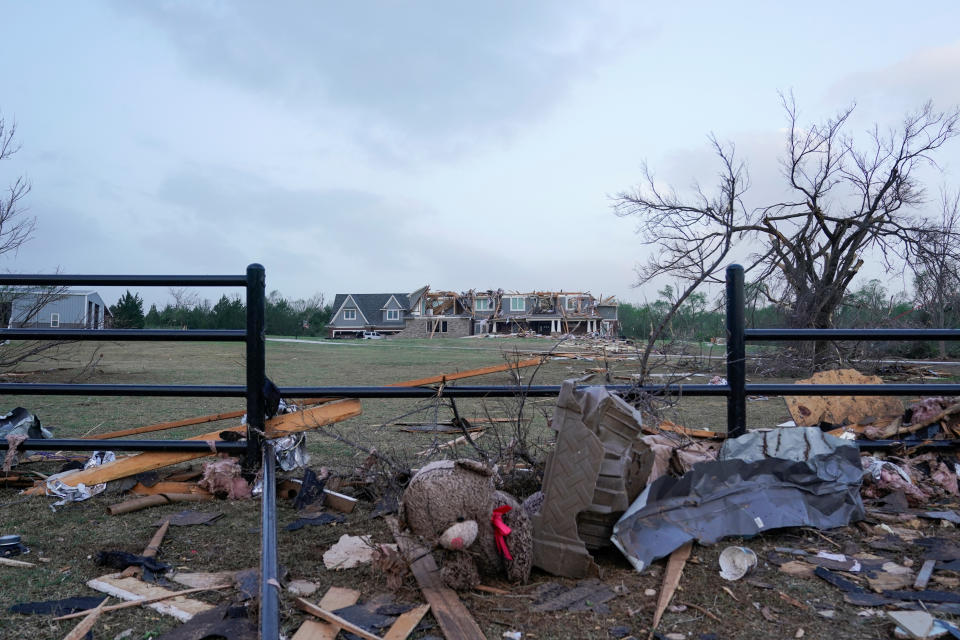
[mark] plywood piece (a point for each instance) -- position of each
(179, 607)
(312, 418)
(339, 501)
(809, 411)
(335, 598)
(454, 619)
(335, 620)
(406, 623)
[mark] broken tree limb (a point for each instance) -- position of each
(333, 618)
(671, 579)
(137, 603)
(447, 377)
(454, 619)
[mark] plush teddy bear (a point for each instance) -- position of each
(453, 506)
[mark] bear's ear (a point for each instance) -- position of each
(475, 466)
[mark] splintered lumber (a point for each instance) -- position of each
(307, 419)
(145, 502)
(143, 601)
(132, 465)
(406, 623)
(162, 426)
(454, 619)
(447, 377)
(150, 551)
(333, 618)
(15, 563)
(172, 603)
(671, 579)
(666, 425)
(80, 631)
(335, 598)
(452, 443)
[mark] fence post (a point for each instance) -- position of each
(256, 362)
(736, 354)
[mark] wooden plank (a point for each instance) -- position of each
(335, 598)
(80, 631)
(671, 579)
(8, 562)
(336, 620)
(406, 623)
(924, 576)
(312, 418)
(162, 426)
(132, 589)
(454, 619)
(339, 501)
(132, 465)
(468, 374)
(137, 603)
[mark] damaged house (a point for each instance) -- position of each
(425, 313)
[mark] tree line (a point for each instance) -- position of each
(294, 317)
(871, 305)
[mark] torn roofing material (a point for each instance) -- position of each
(761, 480)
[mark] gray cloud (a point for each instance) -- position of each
(416, 77)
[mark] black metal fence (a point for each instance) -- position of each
(259, 451)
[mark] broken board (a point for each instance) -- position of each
(335, 598)
(131, 589)
(810, 411)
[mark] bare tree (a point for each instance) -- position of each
(936, 268)
(15, 226)
(694, 236)
(845, 197)
(18, 305)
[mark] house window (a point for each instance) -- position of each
(483, 304)
(571, 303)
(393, 314)
(443, 326)
(349, 314)
(54, 320)
(517, 304)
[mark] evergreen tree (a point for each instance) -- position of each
(128, 312)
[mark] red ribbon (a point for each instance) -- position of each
(501, 530)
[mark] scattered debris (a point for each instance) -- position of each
(671, 580)
(349, 552)
(591, 478)
(145, 502)
(190, 517)
(736, 562)
(230, 622)
(302, 588)
(223, 478)
(177, 606)
(587, 595)
(762, 480)
(808, 411)
(56, 607)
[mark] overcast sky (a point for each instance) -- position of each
(369, 147)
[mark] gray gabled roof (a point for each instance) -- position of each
(370, 304)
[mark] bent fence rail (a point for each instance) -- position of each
(258, 451)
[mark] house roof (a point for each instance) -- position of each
(370, 304)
